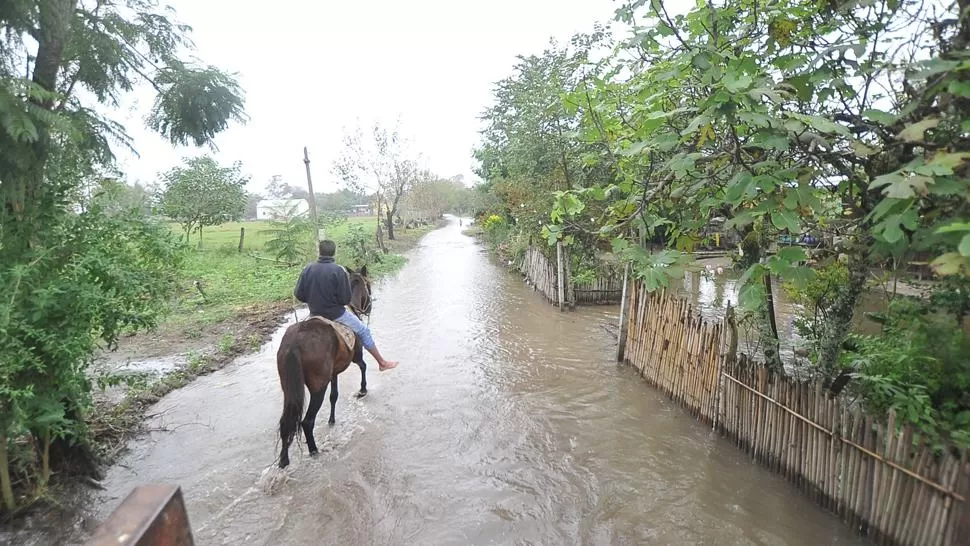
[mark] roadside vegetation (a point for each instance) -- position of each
(826, 145)
(90, 263)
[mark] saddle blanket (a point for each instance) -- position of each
(343, 332)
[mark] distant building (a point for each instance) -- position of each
(270, 209)
(361, 210)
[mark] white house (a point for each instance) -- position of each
(269, 209)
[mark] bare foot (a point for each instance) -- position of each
(387, 365)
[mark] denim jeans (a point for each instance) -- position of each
(363, 332)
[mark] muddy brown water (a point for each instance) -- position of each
(506, 423)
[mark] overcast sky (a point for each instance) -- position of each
(312, 68)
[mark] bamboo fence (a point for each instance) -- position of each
(674, 349)
(602, 291)
(543, 273)
(880, 478)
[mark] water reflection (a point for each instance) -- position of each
(710, 295)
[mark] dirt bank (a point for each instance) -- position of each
(150, 366)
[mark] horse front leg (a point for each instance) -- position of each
(333, 400)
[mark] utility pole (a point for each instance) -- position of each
(313, 197)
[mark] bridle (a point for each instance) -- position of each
(370, 302)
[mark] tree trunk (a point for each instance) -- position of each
(5, 486)
(769, 329)
(379, 233)
(838, 318)
(391, 213)
(389, 222)
(379, 237)
(45, 459)
(21, 193)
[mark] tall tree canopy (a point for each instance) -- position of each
(379, 162)
(76, 276)
(762, 111)
(848, 122)
(529, 146)
(201, 193)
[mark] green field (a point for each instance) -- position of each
(236, 282)
(227, 235)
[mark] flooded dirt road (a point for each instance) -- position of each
(506, 423)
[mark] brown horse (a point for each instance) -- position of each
(312, 354)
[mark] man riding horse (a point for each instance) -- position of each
(325, 287)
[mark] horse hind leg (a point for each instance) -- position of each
(359, 360)
(333, 400)
(316, 400)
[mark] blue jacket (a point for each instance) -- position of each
(325, 287)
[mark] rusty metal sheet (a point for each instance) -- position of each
(151, 515)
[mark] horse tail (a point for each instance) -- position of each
(293, 395)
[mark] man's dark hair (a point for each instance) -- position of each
(327, 248)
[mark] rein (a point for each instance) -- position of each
(360, 312)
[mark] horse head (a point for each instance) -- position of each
(360, 287)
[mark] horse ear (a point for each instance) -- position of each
(363, 271)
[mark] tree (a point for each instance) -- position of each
(117, 197)
(529, 147)
(77, 276)
(277, 189)
(202, 194)
(378, 163)
(252, 205)
(431, 197)
(289, 235)
(340, 201)
(759, 111)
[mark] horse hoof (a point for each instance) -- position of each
(284, 464)
(361, 394)
(314, 454)
(331, 423)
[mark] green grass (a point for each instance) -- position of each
(227, 235)
(235, 283)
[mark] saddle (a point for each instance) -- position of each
(344, 333)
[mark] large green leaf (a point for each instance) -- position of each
(879, 116)
(950, 263)
(737, 83)
(964, 247)
(961, 88)
(916, 132)
(634, 149)
(900, 185)
(824, 125)
(792, 254)
(863, 150)
(949, 160)
(955, 227)
(786, 219)
(892, 232)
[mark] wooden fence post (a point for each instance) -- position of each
(312, 198)
(570, 286)
(560, 274)
(962, 510)
(621, 347)
(242, 236)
